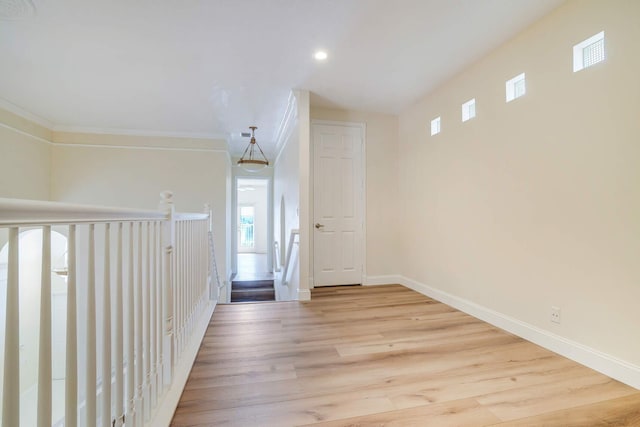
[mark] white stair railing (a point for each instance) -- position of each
(137, 305)
(292, 240)
(277, 267)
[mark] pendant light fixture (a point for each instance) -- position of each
(253, 160)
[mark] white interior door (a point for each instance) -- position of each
(338, 186)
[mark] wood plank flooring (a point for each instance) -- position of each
(386, 356)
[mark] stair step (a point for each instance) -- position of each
(256, 294)
(251, 284)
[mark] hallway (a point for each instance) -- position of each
(252, 266)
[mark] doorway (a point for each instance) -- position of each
(252, 230)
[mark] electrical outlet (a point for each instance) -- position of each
(555, 314)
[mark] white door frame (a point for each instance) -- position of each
(363, 128)
(238, 175)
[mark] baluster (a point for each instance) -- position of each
(178, 290)
(187, 273)
(44, 350)
(91, 333)
(146, 322)
(187, 287)
(206, 291)
(168, 311)
(201, 277)
(205, 256)
(196, 268)
(11, 381)
(200, 263)
(118, 339)
(159, 312)
(187, 280)
(106, 343)
(183, 285)
(130, 330)
(152, 314)
(139, 329)
(71, 365)
(197, 271)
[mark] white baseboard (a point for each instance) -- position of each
(387, 279)
(304, 295)
(611, 366)
(169, 401)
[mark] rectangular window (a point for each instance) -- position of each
(246, 227)
(516, 87)
(588, 52)
(435, 126)
(469, 110)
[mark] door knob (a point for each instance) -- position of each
(319, 226)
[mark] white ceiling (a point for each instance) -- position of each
(215, 67)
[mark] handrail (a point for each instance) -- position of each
(18, 212)
(292, 235)
(277, 267)
(180, 216)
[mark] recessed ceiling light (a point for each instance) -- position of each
(320, 55)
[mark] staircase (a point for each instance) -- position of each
(253, 290)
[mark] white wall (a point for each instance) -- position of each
(286, 194)
(536, 202)
(381, 171)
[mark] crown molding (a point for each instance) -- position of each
(19, 111)
(139, 132)
(27, 134)
(138, 147)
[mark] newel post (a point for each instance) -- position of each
(168, 267)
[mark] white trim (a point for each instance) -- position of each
(286, 127)
(304, 295)
(387, 279)
(339, 123)
(169, 403)
(606, 364)
(27, 134)
(138, 132)
(139, 147)
(285, 124)
(18, 111)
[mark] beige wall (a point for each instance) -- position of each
(25, 158)
(134, 177)
(381, 180)
(536, 202)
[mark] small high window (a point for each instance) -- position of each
(516, 87)
(435, 126)
(588, 52)
(469, 110)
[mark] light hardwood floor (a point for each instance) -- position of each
(386, 356)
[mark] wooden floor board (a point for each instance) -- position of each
(386, 356)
